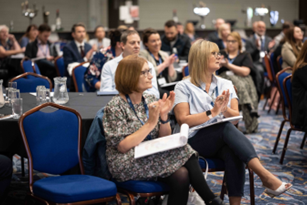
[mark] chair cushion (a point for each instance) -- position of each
(213, 163)
(73, 188)
(143, 186)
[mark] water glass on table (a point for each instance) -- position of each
(11, 85)
(16, 107)
(42, 95)
(13, 94)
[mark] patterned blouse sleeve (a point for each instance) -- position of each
(114, 125)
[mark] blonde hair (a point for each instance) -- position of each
(222, 27)
(236, 36)
(199, 58)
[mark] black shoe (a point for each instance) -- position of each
(216, 201)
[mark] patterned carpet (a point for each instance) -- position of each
(293, 170)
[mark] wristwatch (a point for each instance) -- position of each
(164, 122)
(209, 114)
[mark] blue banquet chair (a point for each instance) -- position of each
(287, 96)
(78, 77)
(59, 66)
(53, 146)
(27, 82)
(29, 66)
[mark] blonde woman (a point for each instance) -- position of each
(202, 97)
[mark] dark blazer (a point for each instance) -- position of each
(250, 47)
(299, 98)
(183, 45)
(220, 44)
(213, 36)
(32, 48)
(71, 53)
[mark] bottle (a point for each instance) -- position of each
(175, 18)
(58, 20)
(1, 95)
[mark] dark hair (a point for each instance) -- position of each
(286, 25)
(147, 33)
(73, 29)
(127, 74)
(179, 23)
(291, 40)
(125, 35)
(97, 27)
(114, 36)
(27, 34)
(170, 23)
(44, 27)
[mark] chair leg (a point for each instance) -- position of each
(23, 167)
(277, 110)
(304, 139)
(272, 102)
(251, 186)
(118, 199)
(278, 135)
(131, 199)
(265, 103)
(224, 188)
(285, 146)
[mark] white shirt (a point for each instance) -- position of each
(107, 78)
(105, 42)
(78, 46)
(199, 100)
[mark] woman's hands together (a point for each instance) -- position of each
(220, 104)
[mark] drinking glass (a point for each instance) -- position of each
(16, 107)
(11, 85)
(12, 94)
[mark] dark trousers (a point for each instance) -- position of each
(47, 68)
(5, 175)
(226, 142)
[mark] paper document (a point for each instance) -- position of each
(169, 84)
(163, 143)
(218, 120)
(38, 58)
(110, 92)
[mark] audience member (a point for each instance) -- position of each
(202, 98)
(100, 41)
(133, 117)
(42, 48)
(175, 43)
(299, 90)
(190, 31)
(29, 36)
(123, 28)
(214, 36)
(276, 54)
(257, 45)
(180, 28)
(93, 72)
(5, 176)
(8, 47)
(291, 47)
(285, 27)
(76, 51)
(237, 67)
(254, 27)
(223, 32)
(130, 43)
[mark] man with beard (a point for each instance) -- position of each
(175, 43)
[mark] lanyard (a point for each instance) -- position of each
(216, 94)
(40, 48)
(146, 110)
(160, 60)
(231, 60)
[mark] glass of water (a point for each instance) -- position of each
(17, 107)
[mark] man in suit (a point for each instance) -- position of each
(42, 48)
(257, 45)
(175, 43)
(76, 51)
(214, 36)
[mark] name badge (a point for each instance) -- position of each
(262, 54)
(229, 72)
(161, 81)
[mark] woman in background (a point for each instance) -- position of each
(29, 36)
(223, 32)
(190, 31)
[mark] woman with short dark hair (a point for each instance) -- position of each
(29, 36)
(133, 117)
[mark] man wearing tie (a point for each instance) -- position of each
(76, 51)
(257, 45)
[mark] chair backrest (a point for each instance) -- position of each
(27, 82)
(280, 76)
(268, 68)
(279, 62)
(59, 65)
(52, 139)
(272, 66)
(287, 86)
(185, 71)
(78, 76)
(28, 66)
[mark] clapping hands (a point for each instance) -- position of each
(220, 104)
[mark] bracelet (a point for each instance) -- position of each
(164, 122)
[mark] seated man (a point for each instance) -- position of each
(175, 43)
(8, 47)
(76, 51)
(42, 48)
(100, 41)
(130, 43)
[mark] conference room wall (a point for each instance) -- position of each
(156, 12)
(90, 12)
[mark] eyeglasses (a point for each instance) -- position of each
(216, 54)
(233, 41)
(146, 72)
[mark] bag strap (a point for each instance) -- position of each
(207, 166)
